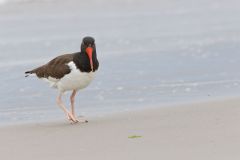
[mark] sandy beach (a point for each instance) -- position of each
(159, 60)
(207, 130)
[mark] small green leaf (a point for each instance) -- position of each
(134, 136)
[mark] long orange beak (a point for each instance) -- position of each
(89, 51)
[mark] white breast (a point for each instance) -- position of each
(75, 80)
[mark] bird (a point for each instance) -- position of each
(70, 72)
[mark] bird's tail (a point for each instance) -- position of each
(28, 73)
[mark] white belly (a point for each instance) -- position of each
(75, 80)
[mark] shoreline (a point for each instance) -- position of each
(127, 110)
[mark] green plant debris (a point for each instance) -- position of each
(134, 136)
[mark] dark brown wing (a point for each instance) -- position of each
(56, 68)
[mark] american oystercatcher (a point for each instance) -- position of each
(70, 72)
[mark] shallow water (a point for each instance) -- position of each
(150, 54)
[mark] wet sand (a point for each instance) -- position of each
(208, 130)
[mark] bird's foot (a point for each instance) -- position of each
(82, 120)
(72, 118)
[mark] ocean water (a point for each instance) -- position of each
(151, 54)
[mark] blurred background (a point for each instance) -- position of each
(152, 53)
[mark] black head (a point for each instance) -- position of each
(86, 60)
(87, 42)
(88, 47)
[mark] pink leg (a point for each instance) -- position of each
(62, 106)
(72, 99)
